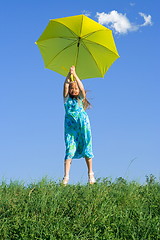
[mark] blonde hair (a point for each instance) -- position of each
(86, 103)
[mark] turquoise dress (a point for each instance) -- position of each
(78, 138)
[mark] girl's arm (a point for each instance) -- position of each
(79, 83)
(66, 85)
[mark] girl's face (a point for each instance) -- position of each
(73, 89)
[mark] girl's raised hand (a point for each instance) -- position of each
(72, 70)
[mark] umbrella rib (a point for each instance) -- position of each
(76, 59)
(101, 46)
(70, 30)
(92, 56)
(81, 25)
(60, 52)
(74, 34)
(91, 33)
(55, 38)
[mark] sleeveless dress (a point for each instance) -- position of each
(78, 137)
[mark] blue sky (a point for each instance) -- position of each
(125, 116)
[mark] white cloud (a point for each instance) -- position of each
(120, 23)
(86, 13)
(117, 21)
(132, 4)
(147, 19)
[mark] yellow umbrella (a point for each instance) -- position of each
(78, 41)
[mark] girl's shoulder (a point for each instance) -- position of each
(65, 98)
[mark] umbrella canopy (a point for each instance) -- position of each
(78, 41)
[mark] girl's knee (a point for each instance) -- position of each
(68, 161)
(88, 159)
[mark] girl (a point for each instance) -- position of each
(78, 139)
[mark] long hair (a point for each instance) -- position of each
(86, 103)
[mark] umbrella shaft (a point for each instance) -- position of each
(79, 39)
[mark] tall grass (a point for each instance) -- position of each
(107, 210)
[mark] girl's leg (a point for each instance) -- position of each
(91, 178)
(89, 164)
(67, 165)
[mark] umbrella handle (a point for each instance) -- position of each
(72, 78)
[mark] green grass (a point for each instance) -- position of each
(106, 210)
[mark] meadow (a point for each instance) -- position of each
(107, 210)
